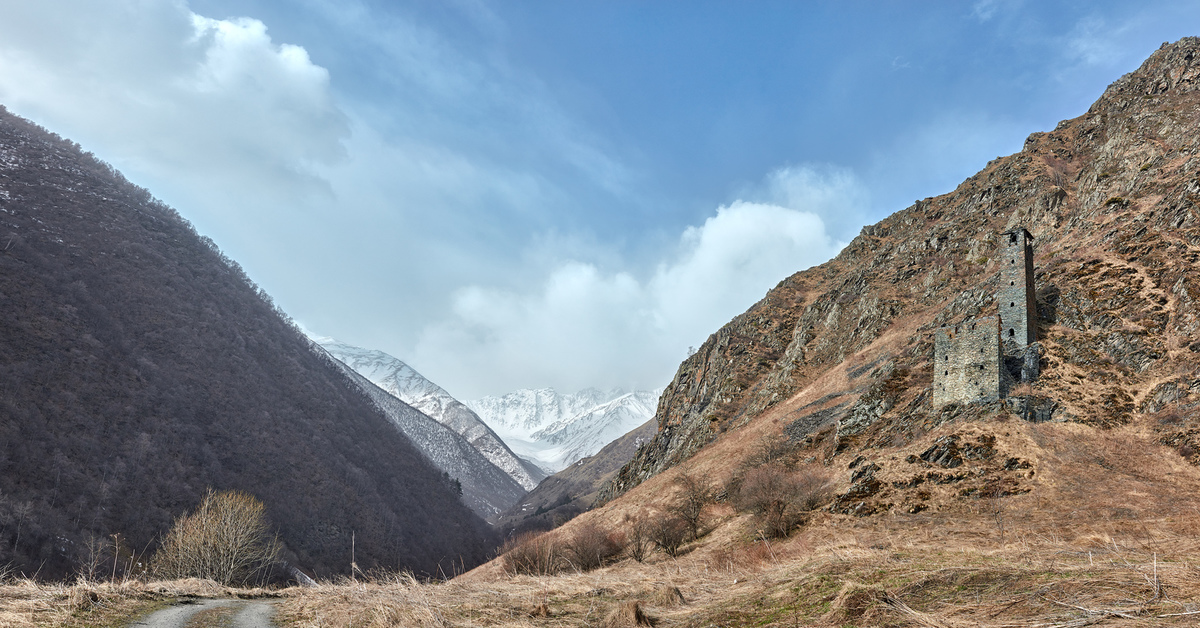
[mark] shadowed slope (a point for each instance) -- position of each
(139, 366)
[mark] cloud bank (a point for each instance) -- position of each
(173, 94)
(586, 326)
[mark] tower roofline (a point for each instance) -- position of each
(1028, 235)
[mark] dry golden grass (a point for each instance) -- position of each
(26, 603)
(1105, 535)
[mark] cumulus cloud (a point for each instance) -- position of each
(586, 326)
(173, 94)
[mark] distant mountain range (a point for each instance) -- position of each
(486, 488)
(555, 429)
(402, 382)
(528, 434)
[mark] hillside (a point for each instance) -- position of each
(139, 366)
(1111, 200)
(573, 490)
(1070, 502)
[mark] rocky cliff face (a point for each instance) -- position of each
(1112, 199)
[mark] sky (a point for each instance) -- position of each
(525, 194)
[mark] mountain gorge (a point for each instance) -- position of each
(139, 366)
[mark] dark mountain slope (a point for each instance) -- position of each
(571, 491)
(139, 366)
(840, 354)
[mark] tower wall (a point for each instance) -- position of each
(967, 362)
(1015, 297)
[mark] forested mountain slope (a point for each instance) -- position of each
(139, 366)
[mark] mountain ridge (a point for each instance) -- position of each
(407, 385)
(139, 366)
(1105, 195)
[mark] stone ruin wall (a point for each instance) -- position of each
(967, 362)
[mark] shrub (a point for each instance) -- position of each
(779, 498)
(227, 539)
(590, 547)
(532, 554)
(668, 533)
(638, 543)
(690, 508)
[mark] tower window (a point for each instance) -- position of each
(1012, 283)
(1012, 304)
(1011, 333)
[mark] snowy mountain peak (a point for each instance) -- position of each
(555, 429)
(405, 383)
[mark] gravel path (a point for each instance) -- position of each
(244, 614)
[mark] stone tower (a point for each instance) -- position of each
(967, 362)
(1015, 296)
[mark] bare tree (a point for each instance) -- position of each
(227, 539)
(696, 495)
(668, 533)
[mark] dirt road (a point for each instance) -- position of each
(205, 613)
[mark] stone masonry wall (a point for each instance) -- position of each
(967, 362)
(1015, 296)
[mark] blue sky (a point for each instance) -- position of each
(524, 194)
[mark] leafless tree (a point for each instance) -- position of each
(227, 539)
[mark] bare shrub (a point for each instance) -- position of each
(696, 495)
(532, 554)
(638, 543)
(668, 533)
(779, 498)
(590, 547)
(227, 539)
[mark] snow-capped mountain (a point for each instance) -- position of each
(409, 386)
(556, 429)
(486, 488)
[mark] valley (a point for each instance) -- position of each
(981, 412)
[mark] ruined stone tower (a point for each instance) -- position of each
(967, 362)
(972, 359)
(1015, 296)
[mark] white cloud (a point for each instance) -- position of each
(211, 105)
(585, 326)
(1093, 42)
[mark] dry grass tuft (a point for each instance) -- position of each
(627, 615)
(667, 595)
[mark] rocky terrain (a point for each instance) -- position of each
(1111, 200)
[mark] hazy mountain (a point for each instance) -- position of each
(404, 383)
(485, 487)
(555, 429)
(139, 366)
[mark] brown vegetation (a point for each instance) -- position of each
(227, 539)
